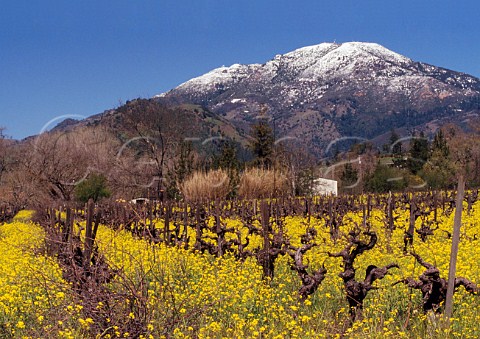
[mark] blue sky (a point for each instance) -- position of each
(78, 58)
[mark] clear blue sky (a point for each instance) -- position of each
(61, 57)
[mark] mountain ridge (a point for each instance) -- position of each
(322, 92)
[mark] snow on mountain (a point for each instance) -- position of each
(328, 90)
(307, 63)
(220, 76)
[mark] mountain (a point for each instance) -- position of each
(318, 94)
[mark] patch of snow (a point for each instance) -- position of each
(219, 76)
(345, 58)
(312, 71)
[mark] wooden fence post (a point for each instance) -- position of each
(390, 208)
(454, 251)
(89, 234)
(185, 224)
(218, 229)
(166, 233)
(265, 220)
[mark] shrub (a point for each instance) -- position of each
(94, 187)
(262, 183)
(206, 186)
(386, 178)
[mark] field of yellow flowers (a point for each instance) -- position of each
(177, 293)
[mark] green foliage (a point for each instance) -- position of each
(419, 150)
(94, 187)
(439, 172)
(262, 143)
(440, 145)
(395, 145)
(304, 182)
(386, 178)
(227, 160)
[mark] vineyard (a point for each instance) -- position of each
(350, 266)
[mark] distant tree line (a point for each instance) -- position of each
(146, 150)
(416, 162)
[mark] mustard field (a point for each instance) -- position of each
(159, 291)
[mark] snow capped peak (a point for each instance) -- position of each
(378, 51)
(314, 50)
(326, 57)
(311, 70)
(321, 91)
(312, 62)
(347, 49)
(328, 60)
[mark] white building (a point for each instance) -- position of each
(323, 186)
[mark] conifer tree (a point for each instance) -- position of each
(262, 142)
(396, 146)
(418, 153)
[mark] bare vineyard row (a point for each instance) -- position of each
(186, 225)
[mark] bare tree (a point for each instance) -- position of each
(156, 133)
(58, 161)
